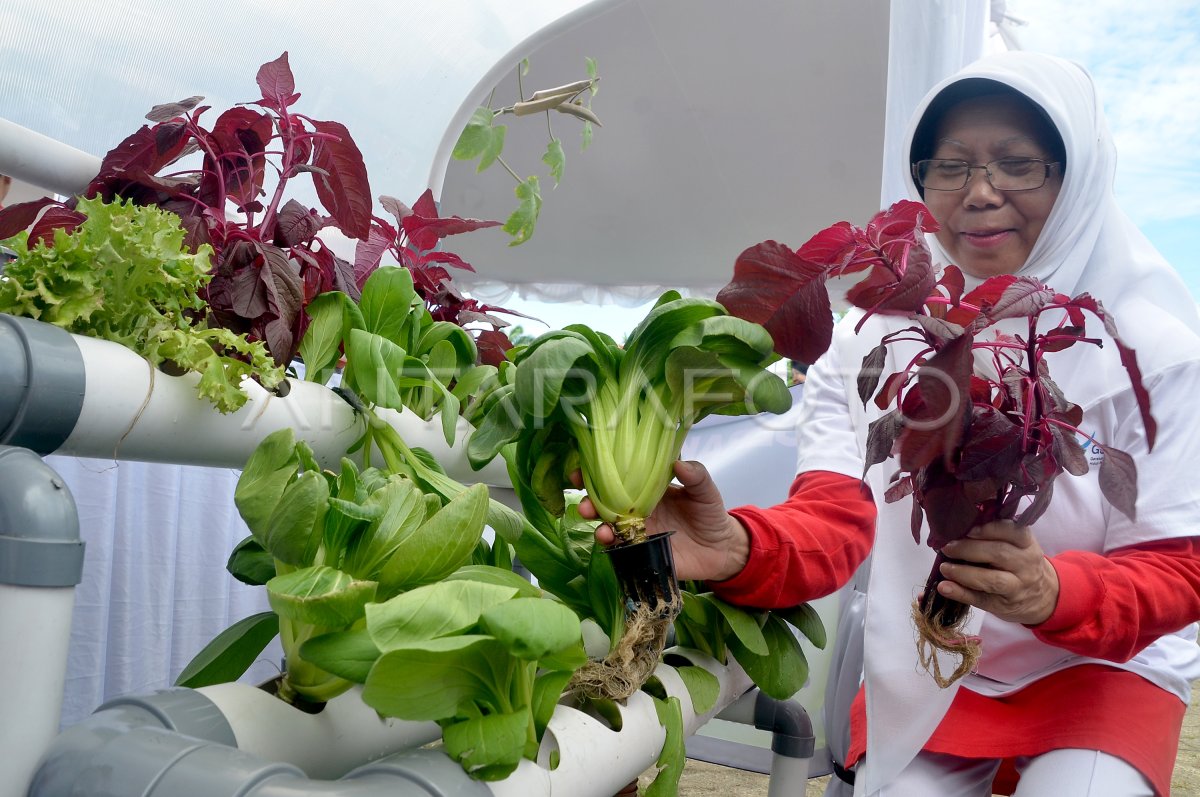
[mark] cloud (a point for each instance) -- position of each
(1146, 63)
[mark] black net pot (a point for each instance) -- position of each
(646, 573)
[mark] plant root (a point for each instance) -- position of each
(939, 633)
(631, 663)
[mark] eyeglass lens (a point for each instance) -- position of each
(1006, 174)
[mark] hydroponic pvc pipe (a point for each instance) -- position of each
(182, 743)
(344, 734)
(41, 161)
(596, 759)
(176, 743)
(75, 395)
(41, 561)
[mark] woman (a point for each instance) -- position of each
(1086, 618)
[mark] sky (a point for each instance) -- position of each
(1145, 58)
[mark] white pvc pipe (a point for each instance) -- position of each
(35, 624)
(345, 734)
(594, 759)
(133, 411)
(41, 161)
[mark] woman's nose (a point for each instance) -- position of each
(979, 190)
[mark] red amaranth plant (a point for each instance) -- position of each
(269, 260)
(979, 428)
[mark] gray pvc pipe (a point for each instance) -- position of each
(176, 743)
(39, 524)
(41, 384)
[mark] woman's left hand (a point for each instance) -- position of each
(1008, 575)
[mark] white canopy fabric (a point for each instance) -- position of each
(725, 124)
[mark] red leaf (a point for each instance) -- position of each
(368, 253)
(891, 388)
(953, 282)
(881, 438)
(277, 84)
(295, 224)
(238, 141)
(167, 111)
(424, 232)
(345, 193)
(492, 345)
(56, 217)
(1129, 360)
(774, 287)
(397, 208)
(1021, 298)
(950, 512)
(442, 256)
(1118, 480)
(831, 248)
(870, 371)
(991, 449)
(140, 152)
(904, 219)
(18, 217)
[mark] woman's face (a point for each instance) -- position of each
(984, 231)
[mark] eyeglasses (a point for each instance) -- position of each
(1005, 174)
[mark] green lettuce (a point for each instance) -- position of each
(125, 275)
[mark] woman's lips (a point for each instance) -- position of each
(987, 238)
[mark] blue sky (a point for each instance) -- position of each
(1145, 58)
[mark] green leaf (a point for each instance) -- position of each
(388, 299)
(399, 683)
(806, 620)
(567, 660)
(522, 221)
(476, 137)
(490, 747)
(320, 347)
(784, 671)
(227, 657)
(320, 596)
(293, 532)
(531, 628)
(433, 611)
(440, 545)
(395, 511)
(493, 149)
(555, 159)
(261, 484)
(346, 654)
(250, 563)
(486, 574)
(743, 624)
(377, 362)
(547, 691)
(673, 755)
(703, 687)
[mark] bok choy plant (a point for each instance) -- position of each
(326, 545)
(573, 400)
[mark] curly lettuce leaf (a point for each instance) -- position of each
(125, 275)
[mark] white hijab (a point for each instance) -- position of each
(1088, 244)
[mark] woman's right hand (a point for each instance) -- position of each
(709, 544)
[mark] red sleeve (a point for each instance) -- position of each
(1112, 606)
(805, 548)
